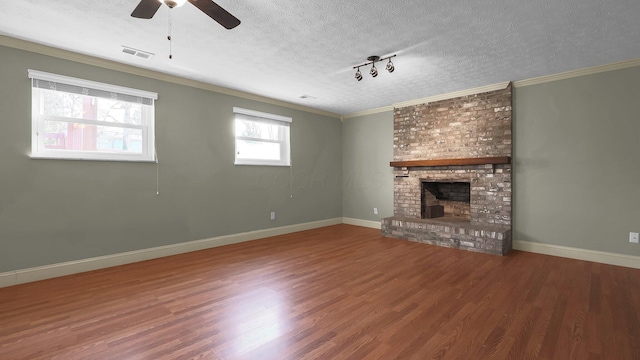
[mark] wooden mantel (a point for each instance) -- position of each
(453, 162)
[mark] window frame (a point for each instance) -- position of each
(284, 129)
(38, 119)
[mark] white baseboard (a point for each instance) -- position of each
(579, 254)
(546, 249)
(7, 279)
(73, 267)
(363, 223)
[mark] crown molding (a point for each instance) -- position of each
(369, 112)
(134, 70)
(431, 99)
(577, 73)
(452, 95)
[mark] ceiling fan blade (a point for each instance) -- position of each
(146, 9)
(222, 16)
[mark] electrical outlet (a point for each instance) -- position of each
(375, 211)
(273, 215)
(633, 237)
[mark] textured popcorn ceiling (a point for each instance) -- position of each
(284, 48)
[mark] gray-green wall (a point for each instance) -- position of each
(576, 174)
(576, 157)
(576, 170)
(53, 211)
(367, 149)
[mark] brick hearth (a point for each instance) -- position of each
(450, 232)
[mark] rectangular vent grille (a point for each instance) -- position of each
(135, 52)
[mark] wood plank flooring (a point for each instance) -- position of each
(340, 292)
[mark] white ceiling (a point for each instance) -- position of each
(284, 49)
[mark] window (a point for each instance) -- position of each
(80, 119)
(261, 138)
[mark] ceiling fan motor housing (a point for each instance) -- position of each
(171, 3)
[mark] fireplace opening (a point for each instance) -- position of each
(446, 199)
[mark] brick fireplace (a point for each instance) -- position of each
(452, 172)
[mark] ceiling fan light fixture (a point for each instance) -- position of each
(173, 3)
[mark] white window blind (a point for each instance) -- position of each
(261, 138)
(80, 119)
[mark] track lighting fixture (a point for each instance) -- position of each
(374, 71)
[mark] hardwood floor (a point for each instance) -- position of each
(340, 292)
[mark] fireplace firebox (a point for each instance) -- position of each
(440, 199)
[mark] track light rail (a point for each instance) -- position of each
(374, 59)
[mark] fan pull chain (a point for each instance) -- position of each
(169, 36)
(155, 152)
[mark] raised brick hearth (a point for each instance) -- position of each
(450, 232)
(475, 126)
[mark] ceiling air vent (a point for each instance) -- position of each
(136, 52)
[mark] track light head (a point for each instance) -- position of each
(374, 71)
(358, 75)
(390, 66)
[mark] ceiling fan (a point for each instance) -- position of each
(147, 8)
